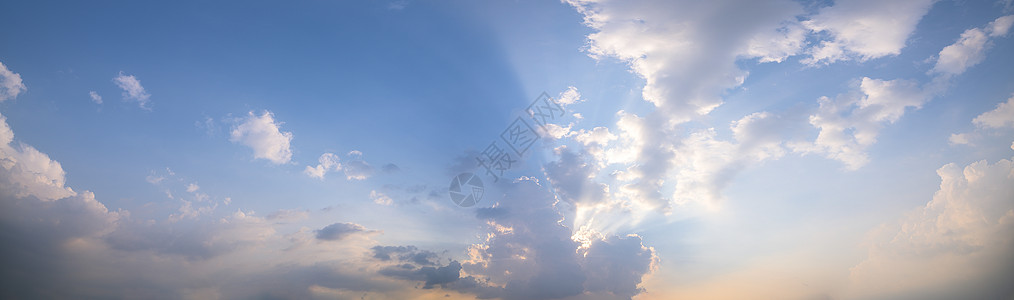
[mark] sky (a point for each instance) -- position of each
(575, 149)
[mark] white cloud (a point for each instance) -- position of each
(959, 139)
(970, 48)
(648, 152)
(132, 90)
(570, 96)
(1000, 26)
(687, 57)
(188, 210)
(58, 243)
(966, 52)
(705, 164)
(958, 244)
(595, 141)
(262, 134)
(1000, 117)
(850, 123)
(10, 84)
(380, 198)
(778, 45)
(193, 187)
(864, 29)
(354, 167)
(326, 162)
(95, 97)
(555, 131)
(29, 172)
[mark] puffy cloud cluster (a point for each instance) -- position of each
(60, 243)
(687, 57)
(262, 134)
(529, 254)
(970, 49)
(850, 123)
(686, 50)
(29, 172)
(707, 164)
(327, 162)
(864, 29)
(956, 246)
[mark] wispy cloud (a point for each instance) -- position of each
(132, 90)
(95, 97)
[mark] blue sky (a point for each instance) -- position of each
(722, 150)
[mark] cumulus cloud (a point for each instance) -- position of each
(970, 49)
(573, 178)
(58, 243)
(326, 162)
(570, 96)
(966, 52)
(686, 57)
(1000, 117)
(955, 59)
(959, 245)
(850, 123)
(29, 172)
(959, 139)
(95, 97)
(595, 141)
(10, 84)
(706, 164)
(132, 90)
(864, 29)
(529, 254)
(262, 134)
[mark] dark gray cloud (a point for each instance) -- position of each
(339, 231)
(430, 276)
(407, 254)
